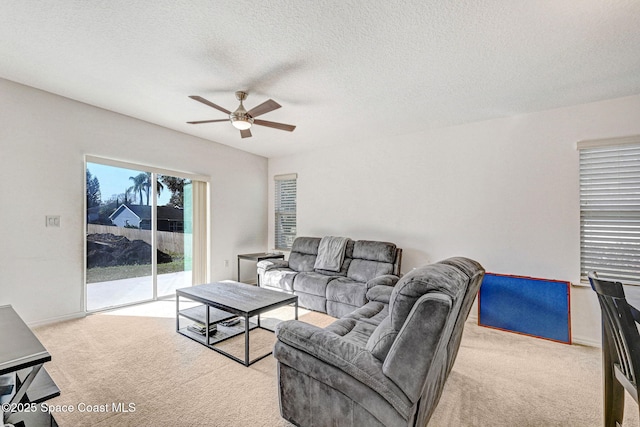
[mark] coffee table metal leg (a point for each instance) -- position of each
(246, 340)
(296, 309)
(177, 312)
(206, 325)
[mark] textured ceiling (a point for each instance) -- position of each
(343, 71)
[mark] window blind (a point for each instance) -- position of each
(610, 209)
(285, 210)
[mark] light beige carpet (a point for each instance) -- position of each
(499, 379)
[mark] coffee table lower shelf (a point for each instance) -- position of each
(222, 333)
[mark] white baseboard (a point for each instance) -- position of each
(51, 320)
(586, 341)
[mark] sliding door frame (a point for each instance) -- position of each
(154, 171)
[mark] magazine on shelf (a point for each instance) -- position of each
(231, 322)
(199, 328)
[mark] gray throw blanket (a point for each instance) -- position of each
(331, 253)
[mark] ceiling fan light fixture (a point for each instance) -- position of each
(240, 120)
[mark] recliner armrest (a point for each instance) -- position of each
(379, 288)
(385, 279)
(380, 293)
(269, 264)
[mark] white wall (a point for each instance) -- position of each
(43, 140)
(504, 192)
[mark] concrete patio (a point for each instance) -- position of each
(116, 293)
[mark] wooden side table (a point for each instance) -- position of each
(257, 257)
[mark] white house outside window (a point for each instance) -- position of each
(285, 210)
(610, 209)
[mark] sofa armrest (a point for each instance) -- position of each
(380, 293)
(270, 264)
(352, 359)
(385, 279)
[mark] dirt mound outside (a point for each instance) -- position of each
(109, 250)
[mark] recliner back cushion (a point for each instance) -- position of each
(303, 253)
(375, 251)
(363, 270)
(439, 278)
(371, 259)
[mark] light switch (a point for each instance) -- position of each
(53, 220)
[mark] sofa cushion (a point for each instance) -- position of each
(339, 309)
(312, 283)
(347, 291)
(303, 253)
(352, 330)
(375, 251)
(363, 270)
(372, 312)
(306, 245)
(371, 259)
(301, 262)
(312, 302)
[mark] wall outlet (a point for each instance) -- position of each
(53, 220)
(226, 263)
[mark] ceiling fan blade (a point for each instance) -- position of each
(209, 103)
(275, 125)
(246, 133)
(265, 107)
(208, 121)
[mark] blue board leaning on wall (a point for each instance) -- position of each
(526, 305)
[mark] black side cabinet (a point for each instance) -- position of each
(25, 381)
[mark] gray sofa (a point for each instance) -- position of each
(384, 364)
(366, 264)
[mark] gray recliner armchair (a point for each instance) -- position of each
(384, 364)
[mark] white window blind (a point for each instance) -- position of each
(285, 210)
(610, 209)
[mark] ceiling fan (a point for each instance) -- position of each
(242, 119)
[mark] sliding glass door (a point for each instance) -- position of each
(174, 234)
(139, 234)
